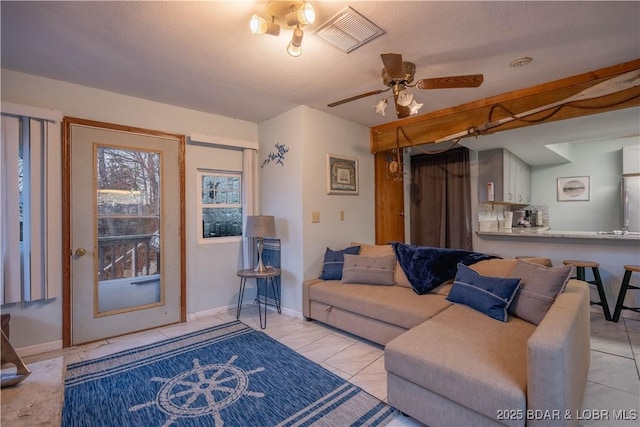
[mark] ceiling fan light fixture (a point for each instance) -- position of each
(405, 98)
(381, 106)
(303, 15)
(259, 25)
(414, 107)
(397, 75)
(295, 45)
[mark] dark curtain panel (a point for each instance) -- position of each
(441, 200)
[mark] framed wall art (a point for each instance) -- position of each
(342, 174)
(574, 188)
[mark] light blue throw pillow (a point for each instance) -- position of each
(334, 261)
(489, 295)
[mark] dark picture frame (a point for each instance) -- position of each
(342, 174)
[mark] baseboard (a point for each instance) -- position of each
(46, 347)
(208, 313)
(292, 313)
(214, 311)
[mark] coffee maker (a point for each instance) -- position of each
(518, 218)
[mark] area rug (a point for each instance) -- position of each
(226, 375)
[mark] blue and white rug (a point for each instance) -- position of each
(227, 375)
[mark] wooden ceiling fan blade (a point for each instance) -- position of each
(469, 80)
(393, 64)
(402, 112)
(353, 98)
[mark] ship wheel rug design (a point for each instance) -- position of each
(226, 375)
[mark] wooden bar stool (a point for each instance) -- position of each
(580, 275)
(628, 269)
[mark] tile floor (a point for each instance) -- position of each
(613, 384)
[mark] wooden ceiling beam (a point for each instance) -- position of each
(427, 128)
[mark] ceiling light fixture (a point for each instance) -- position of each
(259, 25)
(295, 45)
(304, 15)
(291, 15)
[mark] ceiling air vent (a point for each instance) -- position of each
(348, 30)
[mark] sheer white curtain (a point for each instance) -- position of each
(30, 233)
(248, 193)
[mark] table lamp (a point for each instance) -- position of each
(260, 226)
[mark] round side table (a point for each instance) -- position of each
(269, 275)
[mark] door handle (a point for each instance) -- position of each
(81, 252)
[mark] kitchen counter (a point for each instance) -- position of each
(545, 232)
(611, 251)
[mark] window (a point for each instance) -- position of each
(220, 205)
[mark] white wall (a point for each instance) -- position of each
(324, 134)
(40, 323)
(281, 195)
(94, 104)
(291, 192)
(602, 161)
(211, 266)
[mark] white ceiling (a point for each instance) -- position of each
(201, 55)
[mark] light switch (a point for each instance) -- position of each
(315, 216)
(341, 215)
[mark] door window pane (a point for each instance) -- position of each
(128, 193)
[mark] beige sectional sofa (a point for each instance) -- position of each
(448, 364)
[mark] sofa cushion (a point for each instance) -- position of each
(539, 286)
(334, 261)
(373, 270)
(396, 305)
(467, 357)
(495, 267)
(489, 295)
(374, 250)
(379, 250)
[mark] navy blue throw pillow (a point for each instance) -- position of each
(334, 261)
(489, 295)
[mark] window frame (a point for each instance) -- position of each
(200, 173)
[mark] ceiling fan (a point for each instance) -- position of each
(398, 75)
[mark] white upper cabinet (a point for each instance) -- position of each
(631, 159)
(510, 175)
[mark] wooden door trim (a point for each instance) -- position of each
(66, 212)
(389, 202)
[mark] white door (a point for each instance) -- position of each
(125, 213)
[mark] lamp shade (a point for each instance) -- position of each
(260, 226)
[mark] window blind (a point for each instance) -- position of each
(30, 210)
